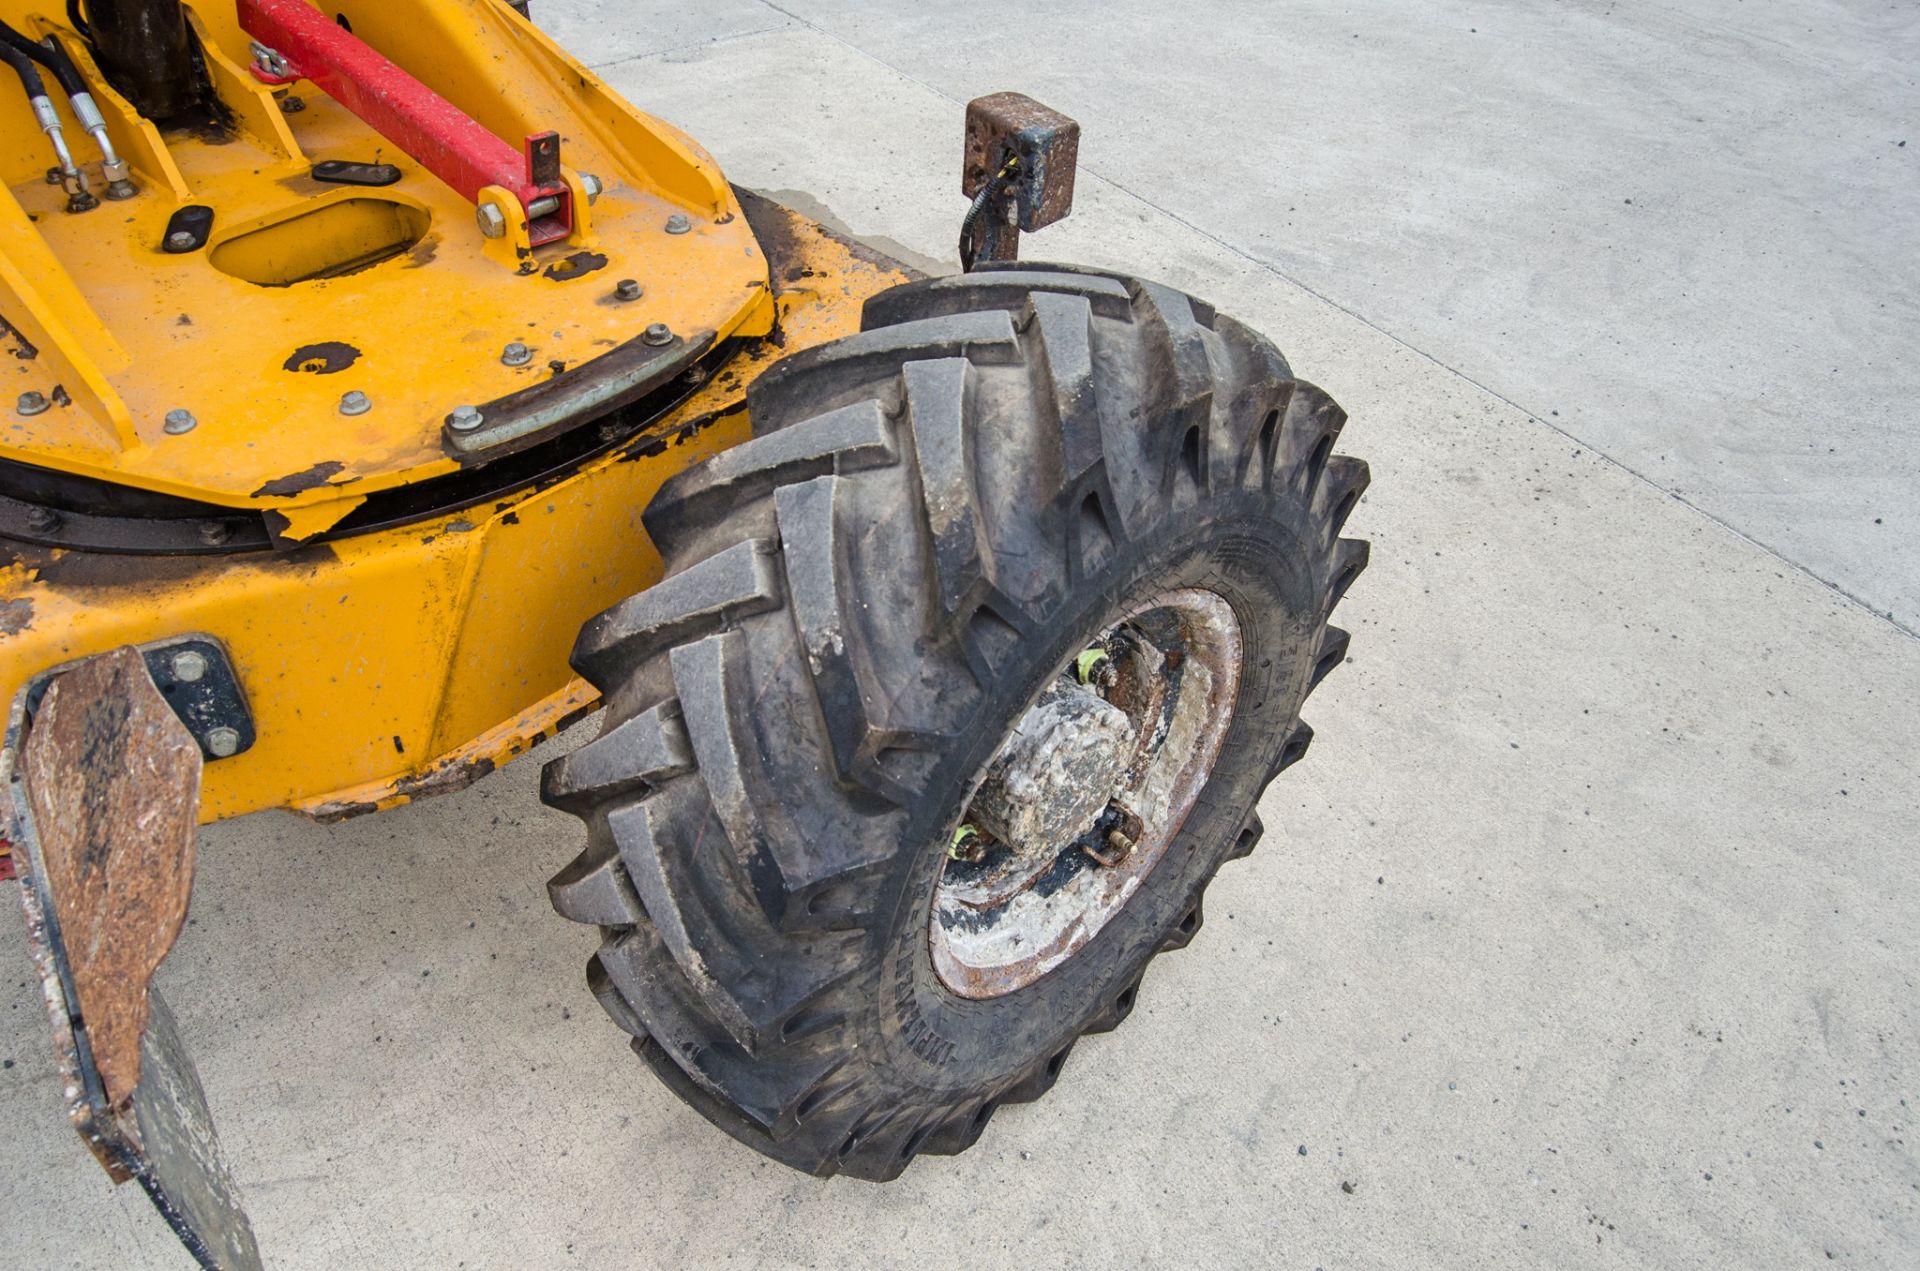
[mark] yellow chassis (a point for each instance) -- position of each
(383, 665)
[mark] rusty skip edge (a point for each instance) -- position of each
(130, 1090)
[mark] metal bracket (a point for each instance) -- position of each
(104, 785)
(1019, 169)
(196, 678)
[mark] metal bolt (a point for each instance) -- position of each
(189, 666)
(355, 402)
(41, 520)
(181, 241)
(591, 184)
(516, 354)
(678, 223)
(179, 421)
(222, 741)
(465, 418)
(215, 533)
(32, 402)
(657, 334)
(292, 104)
(492, 223)
(628, 289)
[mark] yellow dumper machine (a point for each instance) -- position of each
(384, 394)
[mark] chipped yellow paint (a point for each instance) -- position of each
(385, 666)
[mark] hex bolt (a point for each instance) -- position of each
(657, 334)
(355, 402)
(41, 520)
(182, 241)
(492, 223)
(189, 666)
(215, 533)
(32, 402)
(678, 223)
(591, 184)
(292, 104)
(516, 354)
(628, 289)
(222, 741)
(465, 418)
(179, 421)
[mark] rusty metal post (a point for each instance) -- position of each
(105, 786)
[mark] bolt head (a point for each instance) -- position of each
(32, 402)
(657, 334)
(42, 519)
(591, 184)
(355, 402)
(181, 241)
(628, 289)
(179, 421)
(214, 533)
(516, 354)
(678, 223)
(492, 222)
(465, 418)
(292, 104)
(189, 666)
(222, 741)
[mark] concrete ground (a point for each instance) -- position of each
(1587, 934)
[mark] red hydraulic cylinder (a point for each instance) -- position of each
(437, 134)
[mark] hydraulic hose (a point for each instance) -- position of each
(44, 114)
(52, 55)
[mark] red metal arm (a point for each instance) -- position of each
(440, 136)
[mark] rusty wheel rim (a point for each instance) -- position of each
(1083, 797)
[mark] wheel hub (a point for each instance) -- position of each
(1085, 793)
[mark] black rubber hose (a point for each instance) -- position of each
(78, 20)
(22, 64)
(54, 58)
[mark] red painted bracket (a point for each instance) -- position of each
(437, 134)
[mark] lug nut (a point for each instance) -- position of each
(628, 289)
(516, 354)
(189, 666)
(181, 241)
(42, 520)
(465, 418)
(222, 741)
(678, 223)
(492, 223)
(32, 402)
(657, 334)
(179, 421)
(355, 402)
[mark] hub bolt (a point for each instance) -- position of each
(41, 520)
(516, 354)
(492, 223)
(189, 666)
(678, 223)
(355, 402)
(465, 418)
(179, 421)
(628, 289)
(657, 334)
(222, 741)
(32, 402)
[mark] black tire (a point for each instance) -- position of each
(930, 521)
